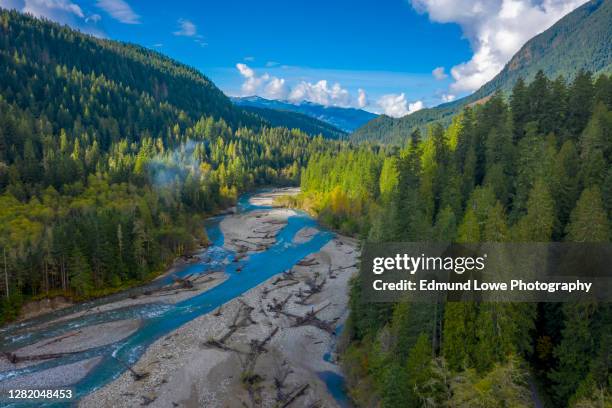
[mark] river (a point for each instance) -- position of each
(103, 364)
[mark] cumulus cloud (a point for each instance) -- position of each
(396, 105)
(186, 28)
(321, 92)
(496, 29)
(448, 97)
(251, 81)
(276, 88)
(439, 73)
(119, 10)
(61, 11)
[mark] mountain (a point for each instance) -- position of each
(582, 40)
(346, 119)
(296, 120)
(143, 71)
(110, 157)
(137, 69)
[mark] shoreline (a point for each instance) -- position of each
(192, 367)
(183, 366)
(56, 302)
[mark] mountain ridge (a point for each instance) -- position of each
(345, 119)
(296, 120)
(580, 40)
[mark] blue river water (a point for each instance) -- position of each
(160, 319)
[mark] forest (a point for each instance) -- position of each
(532, 167)
(106, 175)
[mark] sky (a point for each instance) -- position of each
(385, 56)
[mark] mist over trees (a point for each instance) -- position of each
(110, 158)
(111, 155)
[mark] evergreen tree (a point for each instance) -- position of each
(80, 273)
(418, 372)
(588, 221)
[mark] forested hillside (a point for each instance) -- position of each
(110, 155)
(537, 168)
(295, 120)
(582, 40)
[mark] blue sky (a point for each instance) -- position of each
(390, 56)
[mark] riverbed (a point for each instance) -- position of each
(255, 326)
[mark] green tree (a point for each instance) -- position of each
(81, 280)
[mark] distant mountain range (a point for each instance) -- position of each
(295, 120)
(582, 40)
(345, 119)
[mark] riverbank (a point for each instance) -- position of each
(259, 348)
(282, 286)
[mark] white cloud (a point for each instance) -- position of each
(448, 98)
(51, 9)
(362, 99)
(186, 28)
(251, 81)
(44, 8)
(396, 105)
(276, 89)
(249, 58)
(439, 73)
(320, 92)
(415, 106)
(61, 11)
(271, 64)
(496, 30)
(119, 10)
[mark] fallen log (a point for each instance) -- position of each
(277, 306)
(14, 358)
(298, 392)
(60, 338)
(308, 262)
(343, 267)
(137, 376)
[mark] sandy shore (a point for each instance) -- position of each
(251, 351)
(56, 377)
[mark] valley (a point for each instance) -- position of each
(256, 323)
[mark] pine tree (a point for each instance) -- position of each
(580, 103)
(596, 147)
(394, 391)
(537, 225)
(445, 228)
(519, 104)
(81, 280)
(418, 371)
(459, 334)
(588, 221)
